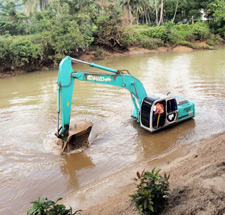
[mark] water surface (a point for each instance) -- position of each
(29, 166)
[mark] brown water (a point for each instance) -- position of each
(29, 164)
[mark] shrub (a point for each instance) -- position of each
(151, 192)
(48, 207)
(100, 54)
(214, 40)
(179, 32)
(170, 33)
(4, 53)
(151, 43)
(130, 37)
(210, 42)
(23, 51)
(159, 32)
(198, 31)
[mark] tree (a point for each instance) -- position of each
(217, 9)
(126, 4)
(30, 6)
(161, 13)
(156, 13)
(175, 11)
(12, 22)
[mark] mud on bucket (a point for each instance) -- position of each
(78, 135)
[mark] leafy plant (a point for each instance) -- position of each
(151, 192)
(43, 206)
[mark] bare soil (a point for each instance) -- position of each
(182, 49)
(197, 182)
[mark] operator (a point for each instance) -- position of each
(159, 110)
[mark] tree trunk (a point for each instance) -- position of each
(137, 18)
(161, 13)
(156, 13)
(129, 14)
(145, 17)
(42, 5)
(175, 11)
(149, 19)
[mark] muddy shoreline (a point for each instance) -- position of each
(197, 183)
(91, 56)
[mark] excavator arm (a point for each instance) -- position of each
(66, 80)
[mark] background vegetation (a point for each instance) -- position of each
(36, 33)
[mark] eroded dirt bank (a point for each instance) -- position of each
(197, 182)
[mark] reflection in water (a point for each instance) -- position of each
(28, 117)
(160, 142)
(72, 164)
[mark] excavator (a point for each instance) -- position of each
(153, 112)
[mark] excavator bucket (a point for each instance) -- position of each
(78, 136)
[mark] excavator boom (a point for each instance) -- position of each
(66, 80)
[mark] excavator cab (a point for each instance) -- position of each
(151, 120)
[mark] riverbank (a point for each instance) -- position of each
(197, 183)
(138, 51)
(94, 55)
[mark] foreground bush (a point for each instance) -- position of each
(48, 207)
(151, 192)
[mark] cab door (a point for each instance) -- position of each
(172, 111)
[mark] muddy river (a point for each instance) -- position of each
(29, 164)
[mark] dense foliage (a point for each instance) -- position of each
(41, 32)
(151, 192)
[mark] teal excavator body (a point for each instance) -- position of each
(176, 109)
